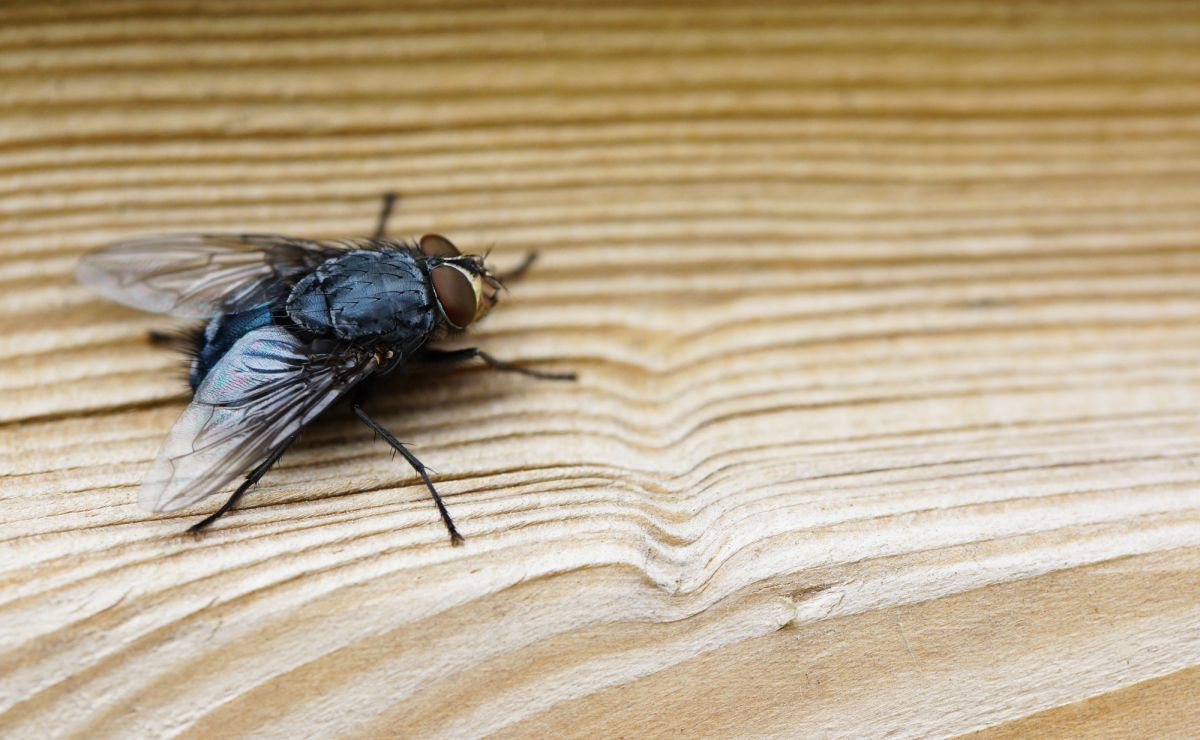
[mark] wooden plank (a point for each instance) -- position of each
(886, 323)
(1164, 707)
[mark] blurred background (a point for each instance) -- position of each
(885, 316)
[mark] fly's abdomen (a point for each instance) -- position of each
(366, 294)
(221, 333)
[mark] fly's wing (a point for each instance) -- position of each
(195, 276)
(265, 388)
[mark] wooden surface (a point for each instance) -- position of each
(886, 317)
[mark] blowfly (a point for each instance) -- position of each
(291, 325)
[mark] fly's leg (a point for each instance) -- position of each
(175, 340)
(251, 479)
(456, 539)
(389, 200)
(519, 270)
(446, 357)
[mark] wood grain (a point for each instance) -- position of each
(886, 320)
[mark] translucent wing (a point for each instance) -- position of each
(194, 276)
(268, 386)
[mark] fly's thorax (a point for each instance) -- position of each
(381, 295)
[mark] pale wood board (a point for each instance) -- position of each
(887, 320)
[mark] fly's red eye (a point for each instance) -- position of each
(455, 294)
(436, 245)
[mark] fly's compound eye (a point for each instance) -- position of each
(456, 293)
(436, 245)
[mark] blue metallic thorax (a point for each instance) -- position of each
(382, 296)
(361, 297)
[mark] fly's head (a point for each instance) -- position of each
(464, 289)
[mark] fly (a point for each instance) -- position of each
(291, 325)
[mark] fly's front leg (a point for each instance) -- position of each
(519, 270)
(453, 356)
(389, 200)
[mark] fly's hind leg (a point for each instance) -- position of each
(181, 341)
(446, 357)
(251, 479)
(456, 539)
(389, 200)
